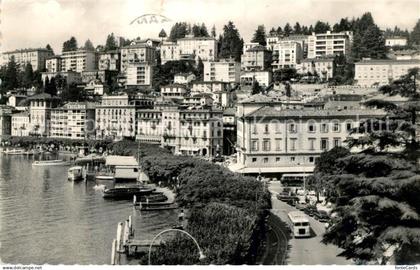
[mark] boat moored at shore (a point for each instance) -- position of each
(55, 162)
(75, 173)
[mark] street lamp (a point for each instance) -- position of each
(200, 252)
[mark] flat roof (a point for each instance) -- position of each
(120, 161)
(387, 62)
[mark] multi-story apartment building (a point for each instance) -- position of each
(193, 131)
(20, 124)
(271, 40)
(276, 141)
(53, 63)
(329, 44)
(135, 54)
(189, 48)
(209, 87)
(286, 54)
(381, 72)
(198, 100)
(256, 58)
(264, 78)
(175, 90)
(395, 41)
(40, 113)
(110, 60)
(116, 116)
(36, 57)
(225, 70)
(78, 61)
(139, 74)
(323, 67)
(74, 120)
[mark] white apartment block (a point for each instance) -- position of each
(78, 61)
(395, 41)
(115, 116)
(326, 44)
(196, 131)
(36, 57)
(53, 63)
(271, 40)
(277, 141)
(74, 121)
(256, 58)
(209, 87)
(223, 70)
(198, 100)
(178, 91)
(189, 48)
(249, 45)
(40, 113)
(323, 67)
(264, 78)
(139, 74)
(110, 60)
(137, 54)
(286, 54)
(381, 72)
(20, 124)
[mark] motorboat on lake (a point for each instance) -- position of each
(75, 173)
(14, 151)
(105, 176)
(55, 162)
(126, 192)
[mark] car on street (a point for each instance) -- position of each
(321, 216)
(310, 210)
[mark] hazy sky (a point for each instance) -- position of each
(34, 23)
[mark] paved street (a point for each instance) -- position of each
(307, 251)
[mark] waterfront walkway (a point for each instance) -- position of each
(305, 251)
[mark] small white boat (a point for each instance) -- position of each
(55, 162)
(75, 173)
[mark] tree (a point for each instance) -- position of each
(11, 76)
(162, 34)
(73, 93)
(279, 31)
(213, 31)
(231, 43)
(256, 88)
(376, 190)
(297, 29)
(343, 25)
(110, 43)
(203, 31)
(321, 27)
(48, 47)
(284, 74)
(200, 69)
(287, 30)
(70, 45)
(28, 76)
(415, 34)
(179, 30)
(89, 46)
(259, 35)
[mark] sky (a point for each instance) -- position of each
(35, 23)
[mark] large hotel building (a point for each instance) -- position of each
(36, 57)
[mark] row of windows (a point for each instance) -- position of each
(292, 146)
(311, 127)
(279, 159)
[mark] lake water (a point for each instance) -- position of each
(44, 218)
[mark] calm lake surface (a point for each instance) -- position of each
(44, 218)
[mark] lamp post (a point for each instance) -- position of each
(200, 252)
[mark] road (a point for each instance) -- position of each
(305, 251)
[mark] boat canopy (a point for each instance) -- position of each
(121, 161)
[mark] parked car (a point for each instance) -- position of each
(300, 206)
(321, 216)
(310, 210)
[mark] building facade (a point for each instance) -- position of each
(209, 87)
(73, 121)
(276, 141)
(323, 67)
(36, 57)
(189, 48)
(136, 54)
(53, 63)
(40, 113)
(139, 74)
(5, 121)
(110, 60)
(256, 58)
(395, 41)
(222, 70)
(175, 90)
(184, 78)
(78, 61)
(381, 72)
(286, 54)
(329, 44)
(20, 124)
(264, 78)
